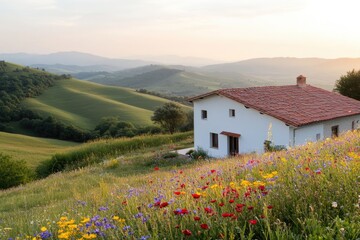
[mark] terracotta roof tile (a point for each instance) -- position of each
(292, 104)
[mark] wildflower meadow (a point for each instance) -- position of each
(310, 192)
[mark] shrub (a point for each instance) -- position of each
(270, 147)
(198, 154)
(13, 173)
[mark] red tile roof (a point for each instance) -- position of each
(294, 105)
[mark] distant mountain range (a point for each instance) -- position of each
(320, 72)
(77, 59)
(186, 80)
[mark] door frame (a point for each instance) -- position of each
(233, 145)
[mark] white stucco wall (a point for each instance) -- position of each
(308, 133)
(248, 122)
(343, 123)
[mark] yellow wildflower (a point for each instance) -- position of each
(245, 183)
(89, 236)
(214, 186)
(64, 235)
(43, 229)
(258, 183)
(85, 220)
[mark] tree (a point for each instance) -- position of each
(349, 84)
(170, 116)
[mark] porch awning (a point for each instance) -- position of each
(230, 134)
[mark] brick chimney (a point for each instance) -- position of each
(301, 81)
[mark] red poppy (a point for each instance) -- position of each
(204, 187)
(240, 205)
(263, 216)
(221, 204)
(180, 172)
(196, 218)
(250, 208)
(213, 170)
(177, 226)
(182, 185)
(227, 215)
(231, 200)
(164, 204)
(124, 202)
(177, 193)
(212, 201)
(184, 211)
(208, 210)
(204, 226)
(186, 232)
(269, 207)
(181, 212)
(238, 209)
(195, 195)
(156, 168)
(253, 221)
(261, 188)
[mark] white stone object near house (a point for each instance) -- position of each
(239, 120)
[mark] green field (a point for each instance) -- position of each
(31, 149)
(83, 104)
(310, 192)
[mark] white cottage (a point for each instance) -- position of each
(238, 120)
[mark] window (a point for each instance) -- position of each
(214, 140)
(318, 137)
(353, 125)
(335, 131)
(203, 114)
(232, 112)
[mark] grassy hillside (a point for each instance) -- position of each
(302, 193)
(31, 149)
(83, 103)
(174, 80)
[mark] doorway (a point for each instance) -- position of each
(233, 143)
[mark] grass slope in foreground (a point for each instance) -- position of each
(309, 192)
(83, 104)
(31, 149)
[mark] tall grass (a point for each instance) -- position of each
(98, 151)
(311, 192)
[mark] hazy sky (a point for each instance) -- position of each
(218, 29)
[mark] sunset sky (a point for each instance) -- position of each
(226, 30)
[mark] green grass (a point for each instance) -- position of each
(31, 149)
(309, 192)
(83, 104)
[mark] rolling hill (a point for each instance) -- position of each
(79, 103)
(187, 81)
(84, 104)
(172, 80)
(31, 149)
